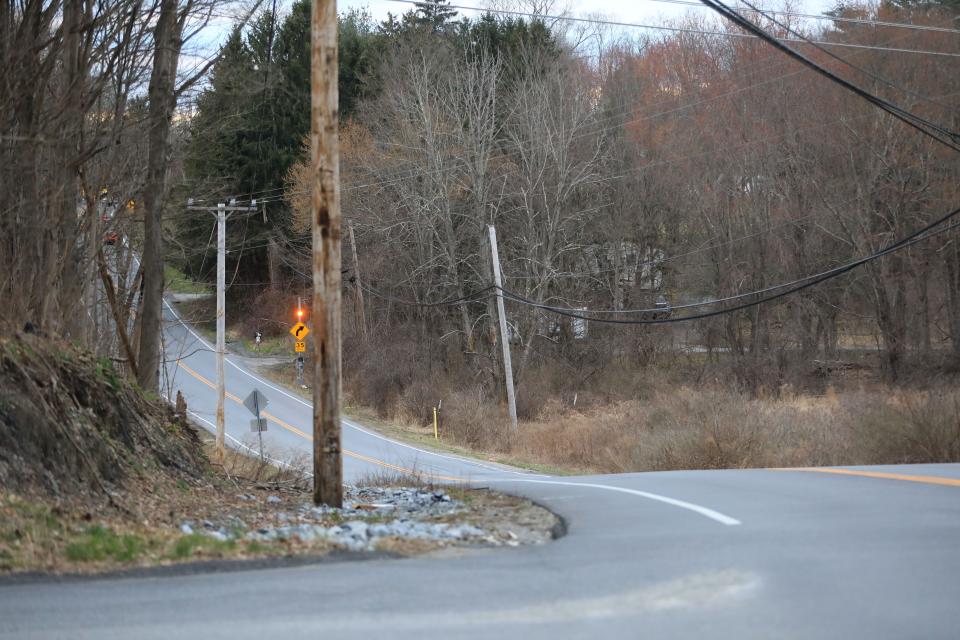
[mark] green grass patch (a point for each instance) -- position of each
(102, 543)
(108, 372)
(272, 346)
(178, 282)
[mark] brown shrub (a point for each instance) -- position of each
(270, 312)
(377, 372)
(911, 428)
(602, 407)
(417, 400)
(469, 419)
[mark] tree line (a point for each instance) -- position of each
(621, 169)
(638, 169)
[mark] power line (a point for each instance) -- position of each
(412, 173)
(812, 16)
(925, 233)
(279, 197)
(635, 25)
(688, 3)
(899, 113)
(843, 61)
(790, 287)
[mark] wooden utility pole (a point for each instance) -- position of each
(361, 314)
(222, 215)
(221, 326)
(504, 337)
(325, 211)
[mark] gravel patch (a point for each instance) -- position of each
(374, 518)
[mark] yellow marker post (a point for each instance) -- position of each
(436, 432)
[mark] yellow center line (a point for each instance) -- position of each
(950, 482)
(289, 427)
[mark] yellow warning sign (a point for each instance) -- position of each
(299, 346)
(299, 331)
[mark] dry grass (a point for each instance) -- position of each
(244, 467)
(688, 428)
(590, 412)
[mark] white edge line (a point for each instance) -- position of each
(347, 422)
(213, 429)
(704, 511)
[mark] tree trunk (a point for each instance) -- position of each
(923, 311)
(162, 102)
(891, 319)
(951, 267)
(453, 257)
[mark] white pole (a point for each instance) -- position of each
(504, 338)
(221, 321)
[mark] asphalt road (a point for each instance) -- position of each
(838, 553)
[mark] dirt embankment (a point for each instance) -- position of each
(95, 475)
(71, 427)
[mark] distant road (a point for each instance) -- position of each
(809, 554)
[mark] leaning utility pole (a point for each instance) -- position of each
(504, 338)
(358, 290)
(221, 213)
(325, 211)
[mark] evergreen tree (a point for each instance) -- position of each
(252, 122)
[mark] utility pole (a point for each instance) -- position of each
(221, 324)
(325, 210)
(504, 338)
(222, 215)
(362, 316)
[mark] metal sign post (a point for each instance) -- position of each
(254, 403)
(299, 366)
(299, 332)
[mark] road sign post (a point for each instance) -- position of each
(254, 403)
(299, 332)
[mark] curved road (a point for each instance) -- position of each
(829, 553)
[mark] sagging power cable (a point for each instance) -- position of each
(925, 233)
(796, 34)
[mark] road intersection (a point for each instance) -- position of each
(822, 553)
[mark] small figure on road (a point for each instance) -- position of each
(257, 339)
